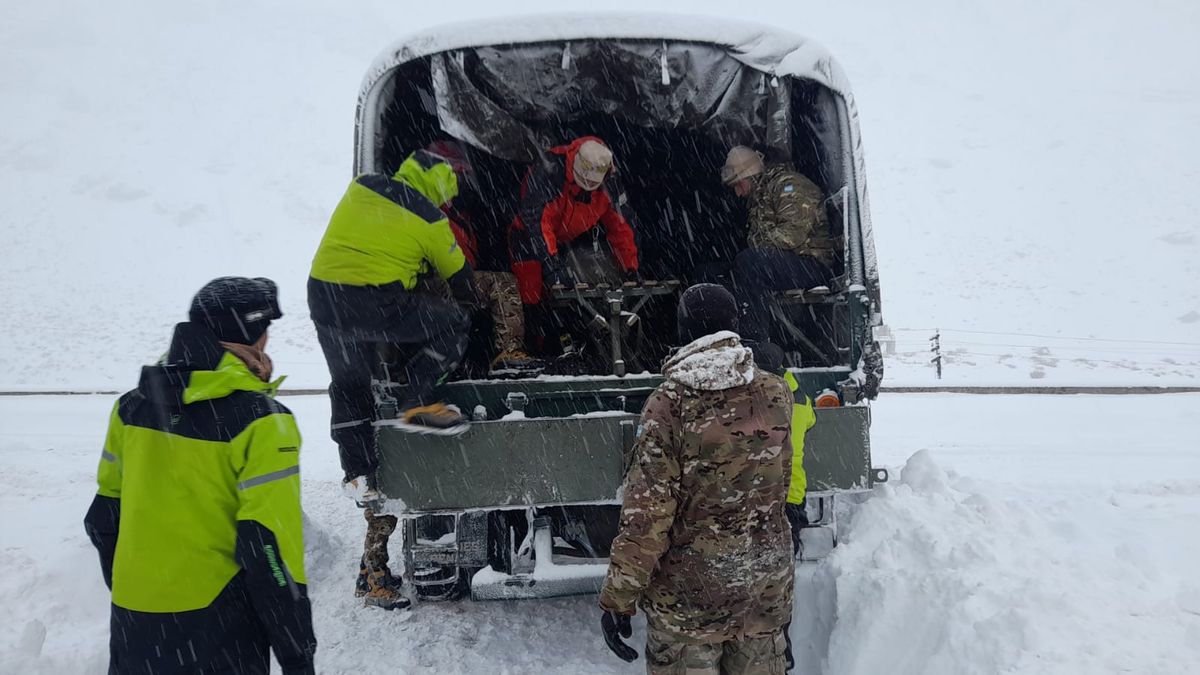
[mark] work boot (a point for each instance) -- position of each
(435, 418)
(363, 491)
(381, 591)
(362, 587)
(516, 360)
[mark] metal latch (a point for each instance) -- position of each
(516, 401)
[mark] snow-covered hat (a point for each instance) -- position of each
(742, 162)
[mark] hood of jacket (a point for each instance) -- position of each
(569, 152)
(196, 368)
(430, 176)
(712, 363)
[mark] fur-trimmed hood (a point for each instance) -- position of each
(712, 363)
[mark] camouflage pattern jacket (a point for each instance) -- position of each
(787, 212)
(704, 546)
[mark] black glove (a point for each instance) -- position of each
(617, 626)
(635, 277)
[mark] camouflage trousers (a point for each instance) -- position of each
(503, 302)
(755, 655)
(375, 548)
(498, 292)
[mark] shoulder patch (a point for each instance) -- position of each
(402, 195)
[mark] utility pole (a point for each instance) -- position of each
(935, 346)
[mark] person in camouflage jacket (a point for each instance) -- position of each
(790, 244)
(704, 547)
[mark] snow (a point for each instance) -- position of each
(1024, 534)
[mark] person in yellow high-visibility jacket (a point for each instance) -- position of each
(803, 419)
(197, 513)
(770, 357)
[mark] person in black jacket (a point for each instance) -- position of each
(197, 517)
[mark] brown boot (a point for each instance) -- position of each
(361, 587)
(375, 584)
(380, 592)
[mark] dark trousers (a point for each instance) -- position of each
(434, 331)
(797, 517)
(760, 272)
(225, 638)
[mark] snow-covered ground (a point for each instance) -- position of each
(1032, 171)
(1019, 534)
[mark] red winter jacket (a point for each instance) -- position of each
(562, 211)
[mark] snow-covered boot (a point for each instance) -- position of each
(435, 418)
(363, 491)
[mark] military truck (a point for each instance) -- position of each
(525, 503)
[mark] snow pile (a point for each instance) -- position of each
(944, 574)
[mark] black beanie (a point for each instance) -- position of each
(236, 309)
(705, 309)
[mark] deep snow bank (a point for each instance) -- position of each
(938, 573)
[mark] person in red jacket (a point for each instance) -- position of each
(563, 198)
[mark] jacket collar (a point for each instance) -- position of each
(196, 368)
(712, 363)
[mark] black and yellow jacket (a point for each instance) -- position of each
(197, 518)
(770, 357)
(385, 232)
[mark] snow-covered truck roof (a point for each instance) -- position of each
(761, 47)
